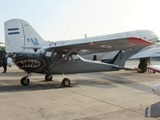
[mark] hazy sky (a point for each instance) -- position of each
(70, 19)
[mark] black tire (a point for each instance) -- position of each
(66, 82)
(48, 77)
(142, 67)
(25, 81)
(144, 62)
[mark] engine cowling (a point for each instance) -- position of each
(156, 89)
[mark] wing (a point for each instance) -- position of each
(100, 45)
(149, 51)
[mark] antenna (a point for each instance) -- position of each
(85, 35)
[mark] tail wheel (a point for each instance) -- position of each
(66, 82)
(25, 81)
(48, 77)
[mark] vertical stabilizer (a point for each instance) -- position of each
(20, 36)
(122, 56)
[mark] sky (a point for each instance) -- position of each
(70, 19)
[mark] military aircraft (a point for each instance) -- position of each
(65, 59)
(21, 34)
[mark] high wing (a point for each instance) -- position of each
(94, 45)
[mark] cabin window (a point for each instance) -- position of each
(72, 57)
(57, 56)
(48, 54)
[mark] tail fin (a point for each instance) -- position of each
(122, 56)
(20, 35)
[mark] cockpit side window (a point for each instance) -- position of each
(57, 55)
(72, 57)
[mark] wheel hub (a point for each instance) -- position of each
(67, 83)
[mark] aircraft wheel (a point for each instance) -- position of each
(66, 82)
(48, 77)
(144, 62)
(25, 81)
(142, 67)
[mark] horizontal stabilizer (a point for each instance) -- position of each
(131, 69)
(34, 48)
(155, 68)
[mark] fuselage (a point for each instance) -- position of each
(40, 63)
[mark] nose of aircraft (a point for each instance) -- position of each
(156, 89)
(157, 38)
(26, 60)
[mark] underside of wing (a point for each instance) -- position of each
(101, 45)
(149, 51)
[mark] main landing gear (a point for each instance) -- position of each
(48, 77)
(25, 80)
(66, 82)
(144, 62)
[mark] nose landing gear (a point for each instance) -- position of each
(25, 80)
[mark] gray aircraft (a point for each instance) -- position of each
(65, 59)
(21, 36)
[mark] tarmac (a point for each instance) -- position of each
(117, 95)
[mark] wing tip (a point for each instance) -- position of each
(139, 40)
